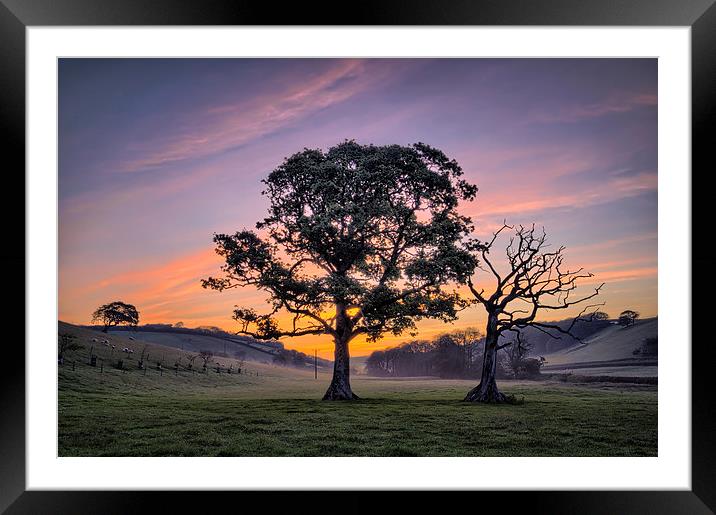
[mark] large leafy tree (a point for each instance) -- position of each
(116, 313)
(359, 240)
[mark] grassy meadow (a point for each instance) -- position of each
(277, 411)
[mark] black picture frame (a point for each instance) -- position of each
(16, 15)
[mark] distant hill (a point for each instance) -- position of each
(608, 351)
(91, 338)
(174, 344)
(232, 346)
(543, 343)
(196, 331)
(198, 342)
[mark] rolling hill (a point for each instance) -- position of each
(197, 343)
(170, 348)
(609, 351)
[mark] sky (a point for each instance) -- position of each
(157, 155)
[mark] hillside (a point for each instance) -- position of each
(157, 350)
(608, 352)
(542, 343)
(197, 343)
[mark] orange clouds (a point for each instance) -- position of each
(531, 197)
(166, 292)
(171, 291)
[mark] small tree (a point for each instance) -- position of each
(628, 317)
(143, 356)
(359, 241)
(205, 356)
(190, 358)
(650, 347)
(468, 340)
(281, 358)
(516, 353)
(448, 360)
(116, 313)
(67, 342)
(241, 359)
(534, 281)
(600, 315)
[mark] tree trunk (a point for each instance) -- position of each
(340, 387)
(487, 390)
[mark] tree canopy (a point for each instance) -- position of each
(628, 317)
(360, 240)
(116, 313)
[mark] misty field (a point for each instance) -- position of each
(278, 413)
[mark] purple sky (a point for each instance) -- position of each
(158, 154)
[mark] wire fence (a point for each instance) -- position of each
(144, 367)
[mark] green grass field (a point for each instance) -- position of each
(278, 413)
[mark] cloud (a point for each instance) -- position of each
(614, 276)
(600, 246)
(614, 104)
(536, 197)
(167, 291)
(223, 127)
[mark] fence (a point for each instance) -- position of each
(127, 365)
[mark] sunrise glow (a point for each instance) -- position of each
(158, 155)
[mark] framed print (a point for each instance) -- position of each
(431, 250)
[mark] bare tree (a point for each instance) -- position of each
(190, 358)
(467, 340)
(534, 282)
(205, 356)
(144, 356)
(66, 342)
(516, 354)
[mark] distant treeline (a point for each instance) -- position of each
(448, 356)
(294, 358)
(460, 354)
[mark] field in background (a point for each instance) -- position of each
(276, 411)
(197, 343)
(609, 352)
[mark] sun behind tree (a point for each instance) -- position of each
(359, 240)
